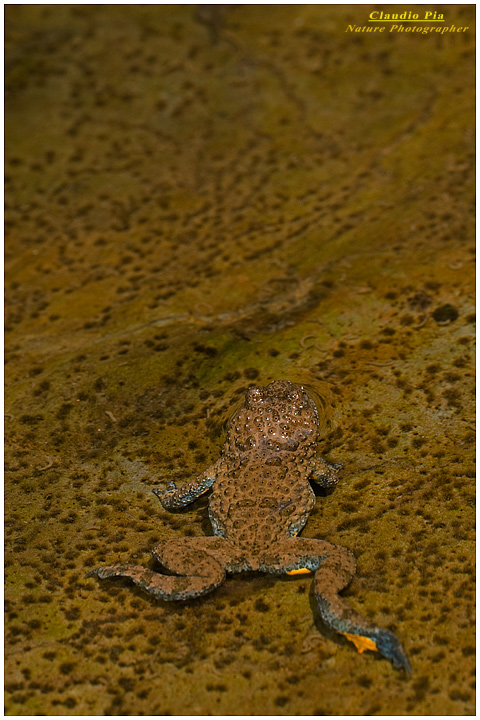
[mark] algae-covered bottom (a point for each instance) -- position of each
(199, 200)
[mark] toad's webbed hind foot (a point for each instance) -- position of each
(384, 642)
(390, 647)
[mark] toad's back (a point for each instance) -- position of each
(261, 492)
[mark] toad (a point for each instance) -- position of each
(260, 501)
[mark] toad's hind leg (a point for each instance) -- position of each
(333, 575)
(199, 564)
(334, 567)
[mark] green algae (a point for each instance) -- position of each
(228, 198)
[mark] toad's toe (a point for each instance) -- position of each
(384, 642)
(106, 572)
(390, 647)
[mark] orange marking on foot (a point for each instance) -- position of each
(300, 571)
(360, 642)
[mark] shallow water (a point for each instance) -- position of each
(198, 202)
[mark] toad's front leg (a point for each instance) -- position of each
(174, 498)
(323, 473)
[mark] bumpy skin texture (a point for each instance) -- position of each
(261, 499)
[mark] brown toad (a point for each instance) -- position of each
(261, 499)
